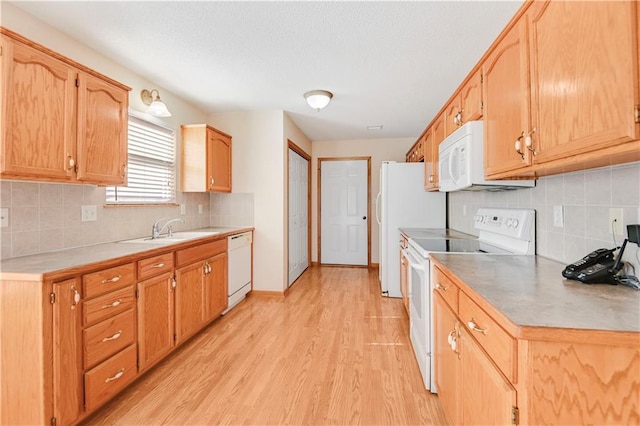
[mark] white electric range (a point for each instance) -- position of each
(500, 231)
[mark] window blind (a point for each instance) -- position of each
(151, 172)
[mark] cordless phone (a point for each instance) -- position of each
(601, 256)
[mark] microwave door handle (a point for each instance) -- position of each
(450, 161)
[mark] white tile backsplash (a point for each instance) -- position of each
(586, 197)
(46, 216)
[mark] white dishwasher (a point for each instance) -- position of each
(239, 267)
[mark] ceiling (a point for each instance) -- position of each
(393, 64)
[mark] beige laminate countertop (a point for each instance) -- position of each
(531, 292)
(34, 267)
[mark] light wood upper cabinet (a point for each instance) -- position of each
(430, 161)
(506, 109)
(584, 89)
(452, 115)
(38, 114)
(471, 98)
(62, 122)
(206, 159)
(102, 131)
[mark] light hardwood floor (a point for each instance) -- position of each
(332, 352)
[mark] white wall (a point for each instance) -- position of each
(259, 168)
(379, 150)
(45, 216)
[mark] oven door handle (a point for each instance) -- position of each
(414, 262)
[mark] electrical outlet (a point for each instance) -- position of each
(616, 220)
(4, 217)
(199, 208)
(558, 216)
(89, 213)
(183, 209)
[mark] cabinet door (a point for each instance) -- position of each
(189, 300)
(67, 351)
(506, 109)
(584, 89)
(218, 162)
(447, 360)
(102, 131)
(488, 398)
(155, 319)
(216, 287)
(38, 114)
(430, 161)
(452, 115)
(471, 98)
(404, 280)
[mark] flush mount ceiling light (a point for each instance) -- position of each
(156, 106)
(318, 99)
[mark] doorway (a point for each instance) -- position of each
(344, 209)
(299, 201)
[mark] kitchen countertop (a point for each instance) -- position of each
(531, 292)
(33, 267)
(434, 233)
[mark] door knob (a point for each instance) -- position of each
(364, 218)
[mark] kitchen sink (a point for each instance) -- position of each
(176, 237)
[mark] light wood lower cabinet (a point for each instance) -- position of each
(215, 287)
(447, 360)
(155, 318)
(67, 351)
(73, 340)
(485, 375)
(487, 396)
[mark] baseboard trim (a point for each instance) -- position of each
(268, 293)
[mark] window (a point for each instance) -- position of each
(151, 167)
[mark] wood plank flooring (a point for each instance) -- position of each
(332, 352)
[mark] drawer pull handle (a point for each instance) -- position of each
(112, 280)
(114, 337)
(158, 265)
(438, 286)
(472, 325)
(115, 376)
(112, 305)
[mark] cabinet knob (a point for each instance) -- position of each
(212, 180)
(114, 337)
(438, 286)
(518, 145)
(430, 178)
(115, 376)
(529, 143)
(112, 280)
(71, 162)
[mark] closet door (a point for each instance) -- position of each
(298, 215)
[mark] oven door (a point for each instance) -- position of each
(420, 313)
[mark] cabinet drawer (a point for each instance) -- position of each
(108, 337)
(156, 265)
(106, 306)
(104, 381)
(201, 252)
(500, 346)
(107, 280)
(446, 288)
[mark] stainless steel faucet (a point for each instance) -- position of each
(156, 230)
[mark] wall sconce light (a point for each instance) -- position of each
(156, 106)
(318, 99)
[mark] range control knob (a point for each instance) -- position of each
(515, 223)
(508, 222)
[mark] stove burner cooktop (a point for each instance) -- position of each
(442, 245)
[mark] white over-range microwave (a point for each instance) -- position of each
(461, 162)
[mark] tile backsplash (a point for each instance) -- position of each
(586, 198)
(233, 209)
(47, 216)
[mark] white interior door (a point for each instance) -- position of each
(343, 218)
(298, 215)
